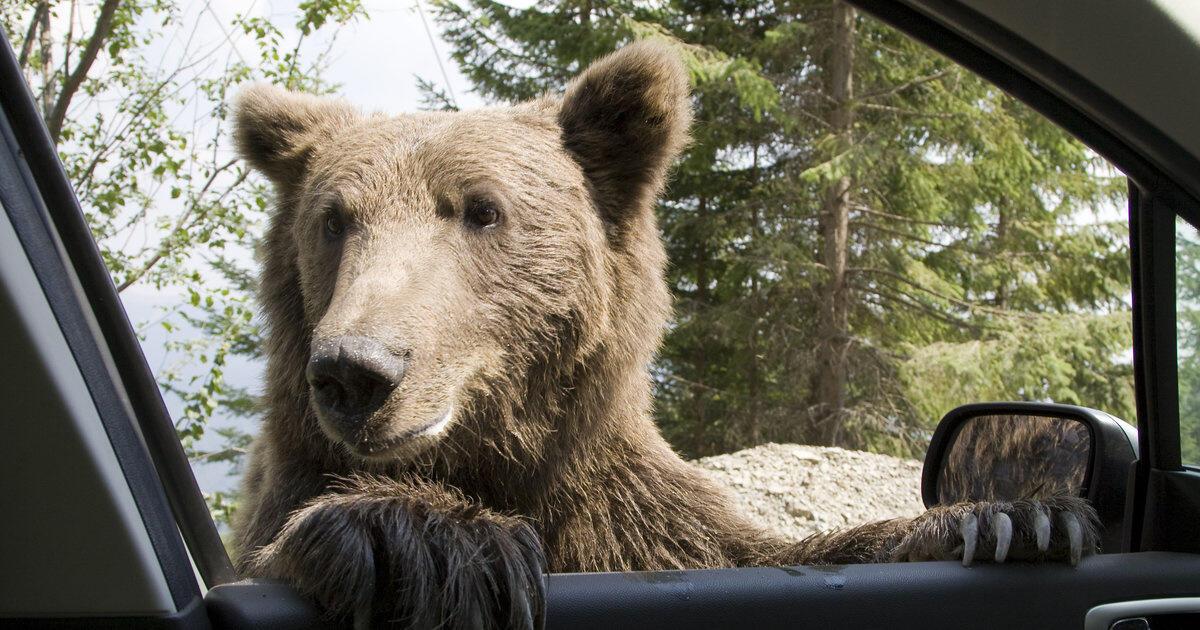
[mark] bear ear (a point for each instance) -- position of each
(624, 120)
(276, 130)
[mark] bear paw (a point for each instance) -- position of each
(1056, 529)
(376, 555)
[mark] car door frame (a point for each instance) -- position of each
(40, 209)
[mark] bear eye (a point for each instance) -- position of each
(482, 213)
(334, 225)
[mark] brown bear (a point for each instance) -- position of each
(462, 309)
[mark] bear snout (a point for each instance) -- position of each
(351, 378)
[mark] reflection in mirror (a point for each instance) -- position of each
(1007, 457)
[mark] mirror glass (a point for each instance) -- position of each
(1007, 457)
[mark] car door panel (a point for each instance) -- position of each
(925, 595)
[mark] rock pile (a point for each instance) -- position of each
(798, 490)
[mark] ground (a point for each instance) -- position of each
(797, 490)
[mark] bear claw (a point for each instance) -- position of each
(1041, 528)
(1002, 529)
(969, 529)
(1074, 535)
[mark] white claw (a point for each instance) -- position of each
(1041, 527)
(1074, 535)
(1002, 529)
(969, 530)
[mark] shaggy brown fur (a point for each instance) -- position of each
(505, 271)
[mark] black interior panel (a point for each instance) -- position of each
(926, 595)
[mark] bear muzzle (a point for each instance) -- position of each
(351, 378)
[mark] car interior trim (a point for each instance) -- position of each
(169, 473)
(62, 287)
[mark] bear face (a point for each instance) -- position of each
(424, 268)
(429, 269)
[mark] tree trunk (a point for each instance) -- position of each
(833, 334)
(1001, 245)
(699, 395)
(755, 377)
(101, 31)
(35, 23)
(46, 49)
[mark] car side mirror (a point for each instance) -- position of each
(1019, 450)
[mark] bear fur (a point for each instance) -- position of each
(508, 263)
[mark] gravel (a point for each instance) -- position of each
(798, 490)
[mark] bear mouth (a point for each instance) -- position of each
(387, 447)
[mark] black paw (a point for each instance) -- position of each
(419, 557)
(1056, 529)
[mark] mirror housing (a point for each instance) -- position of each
(1106, 446)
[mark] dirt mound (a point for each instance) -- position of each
(799, 490)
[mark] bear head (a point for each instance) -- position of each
(444, 272)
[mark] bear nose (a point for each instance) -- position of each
(352, 376)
